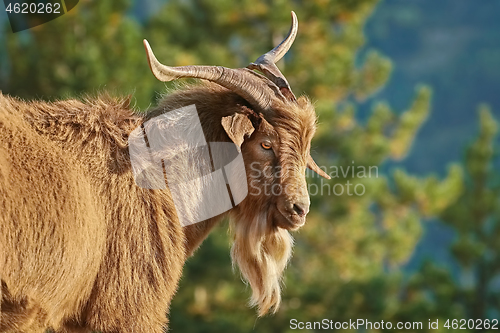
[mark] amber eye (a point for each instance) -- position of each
(266, 145)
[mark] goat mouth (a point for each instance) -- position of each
(288, 221)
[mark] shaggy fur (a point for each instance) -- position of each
(83, 248)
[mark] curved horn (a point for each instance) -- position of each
(266, 63)
(246, 83)
(314, 167)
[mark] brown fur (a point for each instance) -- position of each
(83, 248)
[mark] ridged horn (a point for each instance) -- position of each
(314, 167)
(266, 63)
(245, 82)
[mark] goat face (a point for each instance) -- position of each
(276, 156)
(274, 134)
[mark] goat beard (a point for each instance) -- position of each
(261, 251)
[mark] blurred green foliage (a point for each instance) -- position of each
(348, 258)
(92, 48)
(454, 47)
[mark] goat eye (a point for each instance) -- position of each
(266, 145)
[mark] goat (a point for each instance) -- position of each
(83, 248)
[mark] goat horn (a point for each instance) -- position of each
(245, 82)
(266, 63)
(314, 167)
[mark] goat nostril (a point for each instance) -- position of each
(299, 209)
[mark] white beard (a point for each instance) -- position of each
(261, 252)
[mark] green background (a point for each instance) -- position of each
(401, 85)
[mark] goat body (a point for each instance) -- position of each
(82, 247)
(80, 243)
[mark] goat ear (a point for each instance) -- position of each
(236, 127)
